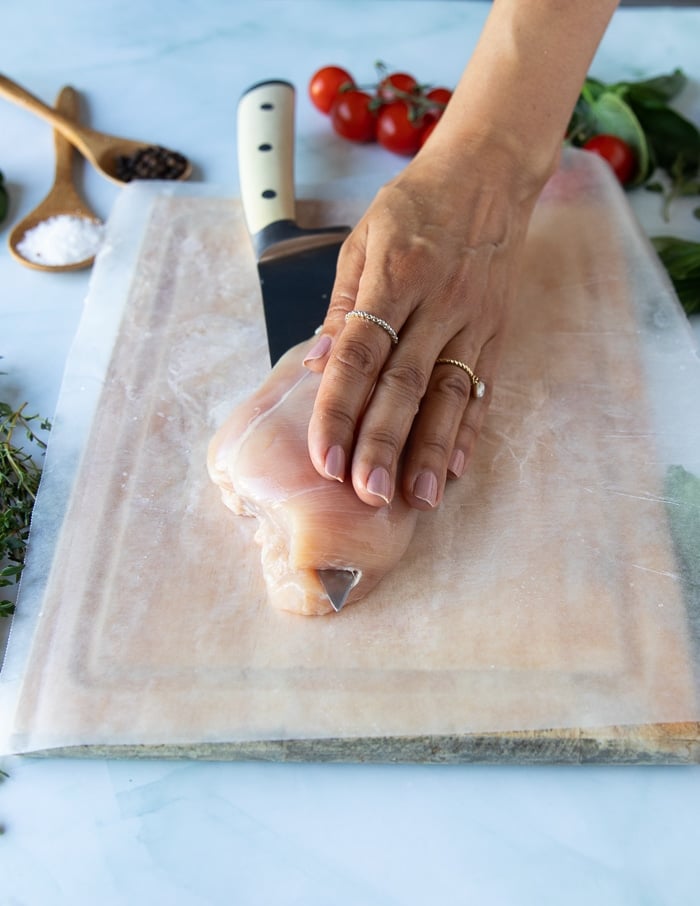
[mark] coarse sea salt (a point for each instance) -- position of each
(61, 240)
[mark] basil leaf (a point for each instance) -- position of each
(688, 292)
(671, 137)
(660, 88)
(681, 258)
(682, 253)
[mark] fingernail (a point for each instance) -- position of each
(335, 463)
(379, 483)
(456, 463)
(426, 487)
(319, 349)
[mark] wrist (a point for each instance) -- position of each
(492, 158)
(517, 93)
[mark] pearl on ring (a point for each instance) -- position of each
(478, 385)
(374, 319)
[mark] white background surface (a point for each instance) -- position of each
(182, 833)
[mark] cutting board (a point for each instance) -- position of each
(540, 615)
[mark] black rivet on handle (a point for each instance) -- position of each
(267, 106)
(266, 146)
(269, 193)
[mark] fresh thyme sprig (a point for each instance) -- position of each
(19, 483)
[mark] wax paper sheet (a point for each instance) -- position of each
(553, 592)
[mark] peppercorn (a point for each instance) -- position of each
(153, 162)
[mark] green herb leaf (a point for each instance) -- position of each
(675, 140)
(660, 88)
(4, 199)
(681, 258)
(19, 483)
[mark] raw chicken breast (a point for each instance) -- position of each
(259, 459)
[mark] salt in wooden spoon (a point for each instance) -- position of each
(102, 150)
(62, 200)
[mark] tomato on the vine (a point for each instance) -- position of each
(396, 109)
(395, 85)
(427, 129)
(352, 116)
(326, 84)
(398, 130)
(617, 153)
(439, 97)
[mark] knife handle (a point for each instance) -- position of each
(266, 156)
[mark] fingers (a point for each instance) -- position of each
(446, 429)
(386, 424)
(349, 380)
(429, 411)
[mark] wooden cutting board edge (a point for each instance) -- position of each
(670, 743)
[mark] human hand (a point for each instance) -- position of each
(436, 257)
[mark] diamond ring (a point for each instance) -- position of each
(478, 385)
(374, 319)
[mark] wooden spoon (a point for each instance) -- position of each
(102, 150)
(63, 198)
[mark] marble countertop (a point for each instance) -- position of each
(187, 833)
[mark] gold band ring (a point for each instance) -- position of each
(478, 385)
(373, 319)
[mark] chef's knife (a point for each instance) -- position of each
(296, 266)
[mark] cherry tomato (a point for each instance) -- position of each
(425, 132)
(617, 153)
(397, 131)
(440, 98)
(352, 117)
(391, 87)
(325, 86)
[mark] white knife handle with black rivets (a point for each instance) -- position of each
(266, 158)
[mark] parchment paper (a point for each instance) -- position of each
(546, 592)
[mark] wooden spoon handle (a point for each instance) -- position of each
(68, 105)
(14, 92)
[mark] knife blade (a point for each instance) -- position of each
(296, 265)
(338, 583)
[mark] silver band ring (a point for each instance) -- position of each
(478, 385)
(373, 319)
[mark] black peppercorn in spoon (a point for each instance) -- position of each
(119, 159)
